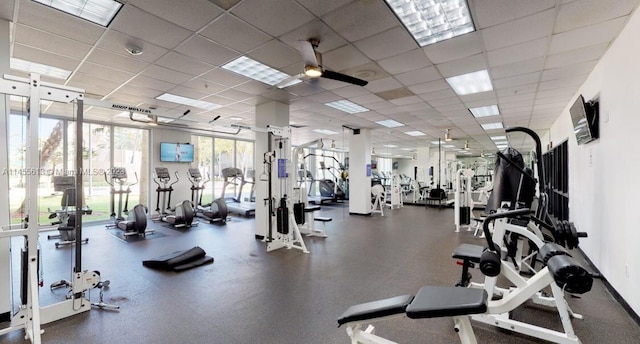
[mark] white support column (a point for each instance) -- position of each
(274, 114)
(423, 163)
(360, 172)
(5, 253)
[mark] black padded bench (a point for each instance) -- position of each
(323, 219)
(311, 208)
(430, 302)
(470, 255)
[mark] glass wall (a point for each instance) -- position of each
(224, 150)
(244, 161)
(203, 159)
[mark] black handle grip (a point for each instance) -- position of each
(492, 217)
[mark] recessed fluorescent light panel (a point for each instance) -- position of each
(485, 111)
(389, 123)
(168, 97)
(448, 146)
(32, 67)
(325, 131)
(471, 83)
(236, 118)
(497, 138)
(256, 70)
(347, 106)
(490, 126)
(431, 21)
(100, 12)
(390, 146)
(415, 133)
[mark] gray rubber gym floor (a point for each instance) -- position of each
(251, 296)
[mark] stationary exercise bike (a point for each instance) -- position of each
(136, 221)
(65, 217)
(182, 215)
(215, 211)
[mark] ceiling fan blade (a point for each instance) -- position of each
(343, 77)
(308, 53)
(292, 80)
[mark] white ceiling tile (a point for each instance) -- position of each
(234, 94)
(565, 91)
(206, 51)
(138, 91)
(445, 93)
(104, 72)
(150, 83)
(445, 101)
(397, 41)
(92, 84)
(44, 57)
(405, 62)
(519, 52)
(235, 34)
(463, 66)
(260, 13)
(143, 25)
(344, 57)
(454, 48)
(517, 68)
(166, 74)
(320, 8)
(193, 17)
(57, 22)
(53, 43)
(366, 99)
(577, 69)
(351, 91)
(121, 62)
(489, 13)
(361, 19)
(252, 87)
(385, 84)
(224, 77)
(519, 31)
(276, 54)
(184, 64)
(586, 36)
(6, 10)
(563, 82)
(378, 106)
(203, 85)
(316, 29)
(578, 14)
(117, 42)
(407, 100)
(488, 96)
(510, 91)
(419, 76)
(592, 52)
(517, 80)
(429, 87)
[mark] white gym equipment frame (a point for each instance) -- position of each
(277, 161)
(379, 199)
(396, 192)
(31, 316)
(462, 196)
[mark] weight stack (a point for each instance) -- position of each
(282, 217)
(298, 213)
(465, 215)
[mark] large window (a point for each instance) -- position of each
(203, 159)
(224, 155)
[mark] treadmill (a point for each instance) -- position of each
(235, 205)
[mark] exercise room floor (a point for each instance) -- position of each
(250, 296)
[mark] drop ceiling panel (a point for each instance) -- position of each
(154, 84)
(57, 22)
(260, 13)
(234, 94)
(445, 101)
(489, 13)
(419, 76)
(405, 62)
(106, 73)
(117, 42)
(166, 74)
(517, 68)
(462, 66)
(589, 53)
(455, 48)
(276, 54)
(329, 39)
(320, 8)
(407, 100)
(235, 33)
(584, 37)
(41, 56)
(53, 43)
(519, 52)
(138, 91)
(517, 80)
(361, 19)
(193, 16)
(6, 10)
(143, 25)
(344, 57)
(488, 97)
(121, 62)
(429, 87)
(397, 41)
(519, 31)
(184, 64)
(568, 71)
(579, 14)
(564, 82)
(224, 77)
(206, 51)
(351, 91)
(444, 93)
(92, 84)
(385, 84)
(252, 87)
(509, 91)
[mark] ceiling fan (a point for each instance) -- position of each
(313, 67)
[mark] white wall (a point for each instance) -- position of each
(604, 183)
(182, 189)
(405, 166)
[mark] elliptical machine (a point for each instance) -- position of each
(182, 215)
(136, 221)
(215, 211)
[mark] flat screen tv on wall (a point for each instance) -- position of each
(585, 120)
(176, 152)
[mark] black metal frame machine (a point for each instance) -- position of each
(215, 211)
(235, 205)
(182, 215)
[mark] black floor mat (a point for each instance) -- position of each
(119, 234)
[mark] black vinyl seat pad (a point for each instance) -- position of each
(375, 309)
(469, 252)
(433, 302)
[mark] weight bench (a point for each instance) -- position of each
(429, 302)
(309, 228)
(322, 232)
